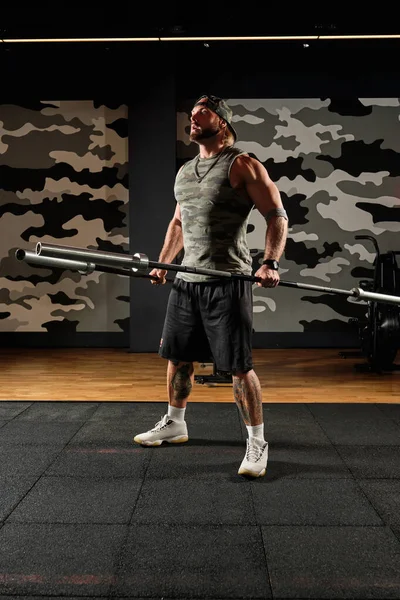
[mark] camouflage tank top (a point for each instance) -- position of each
(214, 216)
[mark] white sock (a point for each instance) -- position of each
(176, 414)
(256, 432)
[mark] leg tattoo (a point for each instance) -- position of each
(180, 383)
(239, 396)
(248, 397)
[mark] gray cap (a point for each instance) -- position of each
(220, 107)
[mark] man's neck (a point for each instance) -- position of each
(209, 148)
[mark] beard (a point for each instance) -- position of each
(204, 134)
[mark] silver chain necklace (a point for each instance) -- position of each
(201, 177)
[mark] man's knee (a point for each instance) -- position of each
(181, 363)
(242, 373)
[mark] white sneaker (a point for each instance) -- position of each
(165, 430)
(255, 460)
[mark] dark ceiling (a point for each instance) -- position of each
(116, 61)
(62, 18)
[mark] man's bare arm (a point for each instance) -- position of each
(275, 238)
(266, 197)
(173, 242)
(252, 175)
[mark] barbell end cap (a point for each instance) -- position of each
(20, 254)
(142, 262)
(89, 269)
(357, 294)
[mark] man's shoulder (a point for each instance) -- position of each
(243, 158)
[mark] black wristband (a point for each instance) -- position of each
(272, 264)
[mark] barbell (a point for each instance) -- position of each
(85, 261)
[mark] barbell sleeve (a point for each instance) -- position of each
(100, 257)
(361, 294)
(59, 263)
(85, 268)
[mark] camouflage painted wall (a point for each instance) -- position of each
(63, 180)
(337, 166)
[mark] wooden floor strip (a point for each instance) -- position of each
(117, 375)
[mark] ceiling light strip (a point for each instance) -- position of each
(201, 38)
(238, 38)
(361, 37)
(117, 39)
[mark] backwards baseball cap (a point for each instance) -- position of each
(220, 107)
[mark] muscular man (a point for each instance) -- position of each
(206, 316)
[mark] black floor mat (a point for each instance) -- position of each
(87, 513)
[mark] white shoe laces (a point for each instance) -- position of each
(161, 424)
(255, 452)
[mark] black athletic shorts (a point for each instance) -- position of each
(210, 322)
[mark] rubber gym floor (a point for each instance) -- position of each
(85, 512)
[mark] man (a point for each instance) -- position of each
(215, 194)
